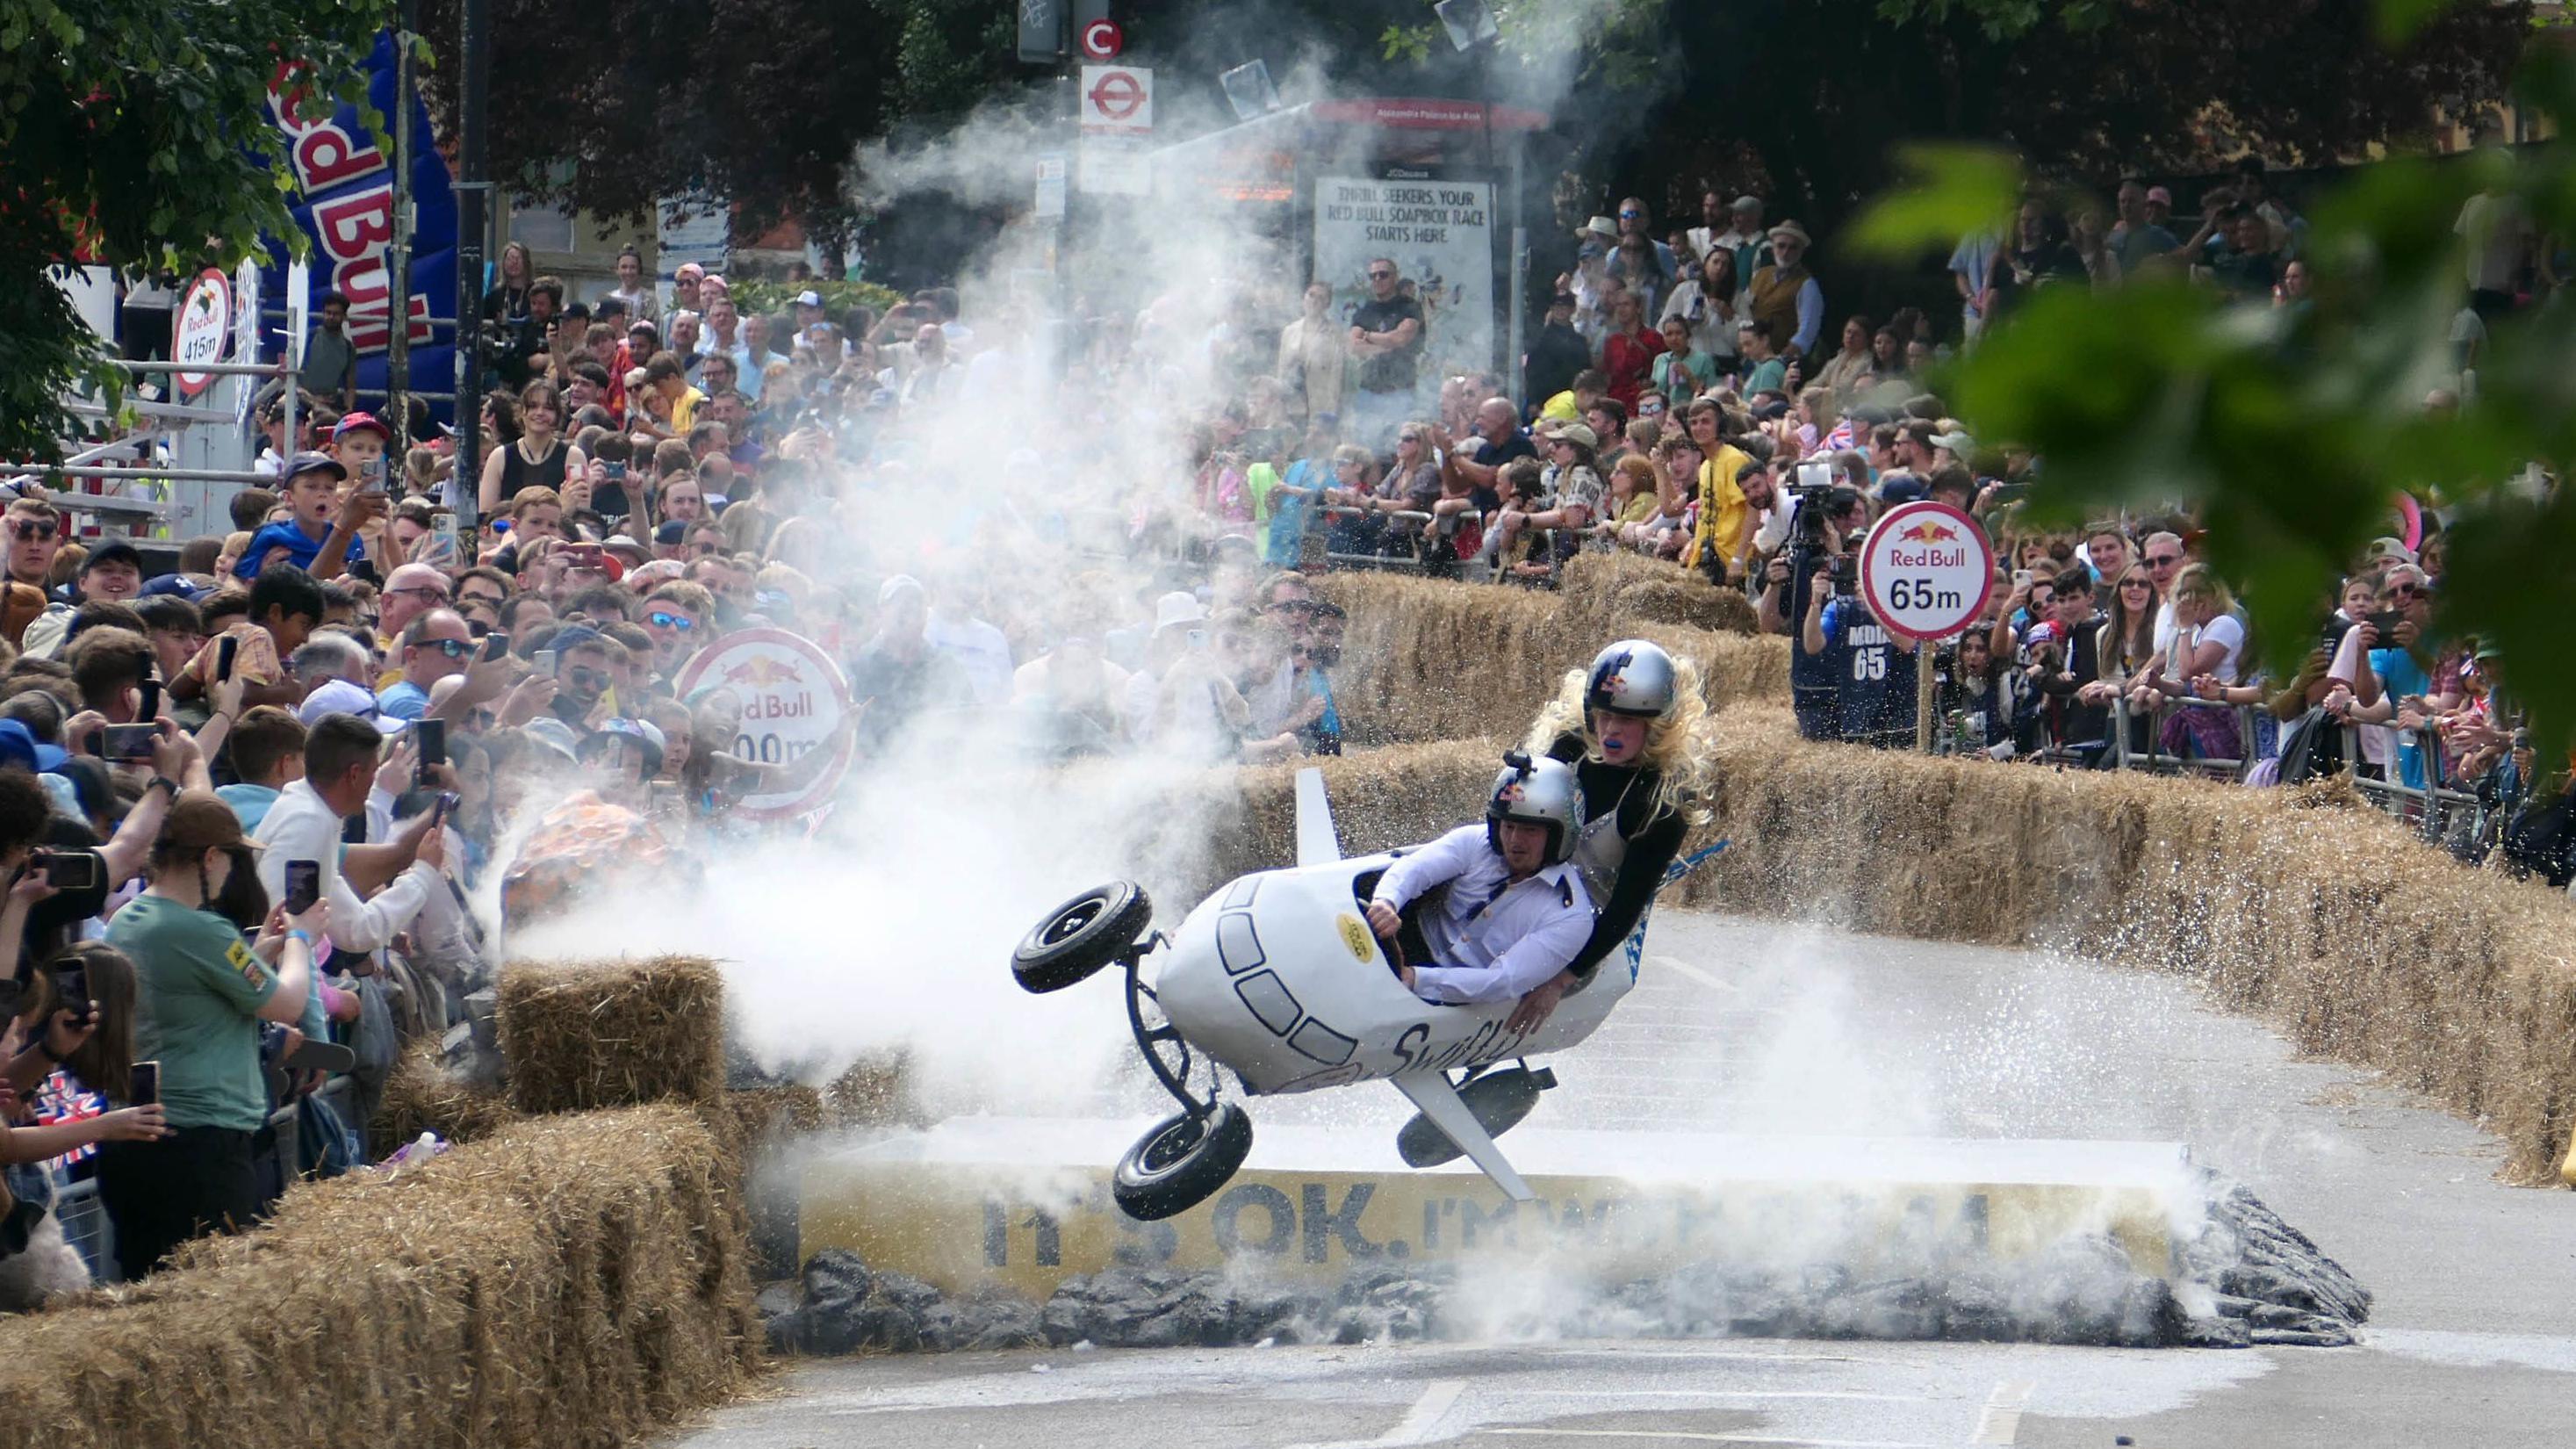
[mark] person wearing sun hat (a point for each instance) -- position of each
(203, 991)
(1785, 295)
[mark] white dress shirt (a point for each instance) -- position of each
(300, 827)
(1503, 938)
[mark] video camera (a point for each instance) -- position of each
(1810, 495)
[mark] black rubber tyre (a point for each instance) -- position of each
(1181, 1163)
(1081, 936)
(1497, 1100)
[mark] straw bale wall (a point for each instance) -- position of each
(574, 1281)
(2304, 907)
(421, 1095)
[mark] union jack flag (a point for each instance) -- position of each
(1837, 440)
(61, 1098)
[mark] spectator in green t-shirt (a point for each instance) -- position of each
(204, 992)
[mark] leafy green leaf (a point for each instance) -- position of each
(1951, 191)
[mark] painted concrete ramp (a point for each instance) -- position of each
(1024, 1203)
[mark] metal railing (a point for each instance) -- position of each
(2156, 760)
(2433, 810)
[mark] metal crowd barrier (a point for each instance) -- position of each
(2433, 809)
(2155, 760)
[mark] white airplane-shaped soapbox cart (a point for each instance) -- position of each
(1277, 979)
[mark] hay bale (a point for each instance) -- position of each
(421, 1095)
(753, 1116)
(870, 1093)
(1424, 659)
(2305, 907)
(575, 1281)
(612, 1033)
(1612, 593)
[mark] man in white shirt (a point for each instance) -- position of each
(1514, 911)
(342, 778)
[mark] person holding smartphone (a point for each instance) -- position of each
(204, 993)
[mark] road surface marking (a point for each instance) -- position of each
(2001, 1421)
(1701, 1437)
(1684, 968)
(1717, 1394)
(1422, 1420)
(1420, 1424)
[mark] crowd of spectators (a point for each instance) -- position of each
(1689, 397)
(248, 803)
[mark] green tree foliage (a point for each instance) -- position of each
(124, 135)
(1817, 92)
(2292, 431)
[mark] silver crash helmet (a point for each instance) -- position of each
(1631, 677)
(1537, 792)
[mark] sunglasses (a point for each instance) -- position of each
(2406, 591)
(2134, 584)
(423, 590)
(1380, 276)
(2163, 561)
(681, 622)
(452, 648)
(31, 529)
(1630, 215)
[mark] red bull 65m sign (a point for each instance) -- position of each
(1927, 571)
(790, 701)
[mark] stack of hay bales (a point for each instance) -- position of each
(575, 1281)
(2330, 919)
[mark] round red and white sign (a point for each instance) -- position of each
(1102, 40)
(794, 703)
(1926, 570)
(200, 328)
(1117, 95)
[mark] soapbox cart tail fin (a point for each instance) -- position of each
(1316, 842)
(1440, 1102)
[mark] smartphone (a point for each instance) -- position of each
(616, 472)
(583, 555)
(70, 870)
(432, 734)
(448, 800)
(150, 707)
(128, 743)
(544, 662)
(2021, 578)
(2386, 622)
(227, 649)
(495, 645)
(303, 885)
(71, 988)
(371, 476)
(143, 1084)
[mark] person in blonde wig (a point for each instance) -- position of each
(1636, 730)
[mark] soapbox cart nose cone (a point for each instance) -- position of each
(1094, 929)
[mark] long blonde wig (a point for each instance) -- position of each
(1681, 746)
